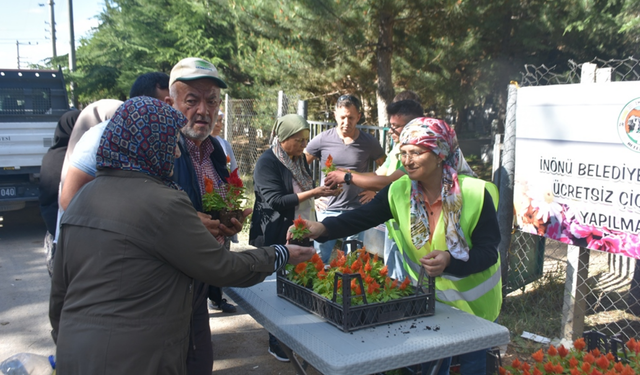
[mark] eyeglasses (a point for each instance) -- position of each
(396, 129)
(410, 155)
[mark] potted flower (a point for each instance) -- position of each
(329, 166)
(298, 231)
(226, 205)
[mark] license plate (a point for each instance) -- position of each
(6, 192)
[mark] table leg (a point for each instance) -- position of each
(300, 367)
(436, 367)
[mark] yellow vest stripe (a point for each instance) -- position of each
(451, 295)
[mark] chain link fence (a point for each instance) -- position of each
(248, 125)
(608, 290)
(249, 122)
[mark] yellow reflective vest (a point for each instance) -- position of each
(480, 293)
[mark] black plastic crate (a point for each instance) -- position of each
(350, 318)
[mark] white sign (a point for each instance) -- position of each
(577, 177)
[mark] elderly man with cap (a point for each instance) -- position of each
(194, 90)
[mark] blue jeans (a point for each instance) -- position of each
(474, 363)
(325, 249)
(393, 258)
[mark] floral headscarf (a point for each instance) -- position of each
(283, 129)
(439, 138)
(142, 137)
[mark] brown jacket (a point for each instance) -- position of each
(122, 286)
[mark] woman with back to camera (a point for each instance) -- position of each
(283, 189)
(446, 223)
(130, 247)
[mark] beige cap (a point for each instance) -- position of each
(193, 68)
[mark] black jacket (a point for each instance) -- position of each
(52, 168)
(275, 204)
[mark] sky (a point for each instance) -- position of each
(24, 21)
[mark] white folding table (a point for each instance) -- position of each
(447, 333)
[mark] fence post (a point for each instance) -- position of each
(495, 169)
(603, 75)
(228, 124)
(588, 73)
(303, 109)
(575, 288)
(507, 171)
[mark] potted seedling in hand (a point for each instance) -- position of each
(298, 231)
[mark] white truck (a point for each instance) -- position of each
(31, 102)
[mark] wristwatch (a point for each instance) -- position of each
(347, 178)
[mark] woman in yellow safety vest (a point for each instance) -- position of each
(444, 220)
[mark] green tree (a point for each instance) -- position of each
(139, 36)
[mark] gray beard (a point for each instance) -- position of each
(193, 135)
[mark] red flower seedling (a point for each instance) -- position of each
(355, 266)
(538, 356)
(299, 230)
(562, 351)
(208, 185)
(602, 362)
(405, 283)
(329, 166)
(230, 197)
(322, 275)
(301, 267)
(368, 267)
(384, 271)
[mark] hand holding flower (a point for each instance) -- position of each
(299, 254)
(315, 228)
(334, 178)
(237, 224)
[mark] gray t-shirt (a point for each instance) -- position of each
(357, 156)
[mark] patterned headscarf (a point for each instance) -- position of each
(284, 128)
(142, 137)
(439, 138)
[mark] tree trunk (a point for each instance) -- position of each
(385, 92)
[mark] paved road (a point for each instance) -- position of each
(24, 285)
(240, 343)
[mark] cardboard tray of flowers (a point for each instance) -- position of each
(354, 292)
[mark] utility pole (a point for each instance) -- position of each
(72, 55)
(18, 49)
(53, 29)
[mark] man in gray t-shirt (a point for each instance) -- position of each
(350, 149)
